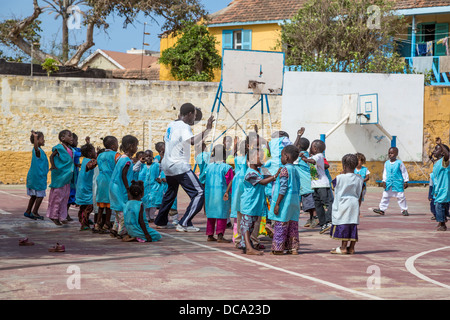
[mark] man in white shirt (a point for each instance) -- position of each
(175, 164)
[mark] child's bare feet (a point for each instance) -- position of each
(253, 252)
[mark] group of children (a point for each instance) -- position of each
(253, 180)
(121, 182)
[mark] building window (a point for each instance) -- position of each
(237, 39)
(237, 36)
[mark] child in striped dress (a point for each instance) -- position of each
(252, 200)
(285, 206)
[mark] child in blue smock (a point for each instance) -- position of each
(279, 141)
(135, 220)
(156, 190)
(285, 207)
(202, 160)
(237, 186)
(37, 176)
(441, 184)
(253, 199)
(217, 204)
(173, 212)
(143, 176)
(395, 181)
(346, 204)
(120, 181)
(62, 175)
(73, 186)
(106, 162)
(84, 196)
(362, 171)
(307, 202)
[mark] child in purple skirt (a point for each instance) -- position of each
(345, 209)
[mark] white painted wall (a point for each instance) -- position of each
(314, 100)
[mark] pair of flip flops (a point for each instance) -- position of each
(33, 216)
(25, 242)
(56, 248)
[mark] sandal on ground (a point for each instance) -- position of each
(84, 228)
(221, 239)
(37, 216)
(293, 252)
(25, 242)
(277, 253)
(337, 251)
(57, 222)
(29, 215)
(57, 248)
(380, 212)
(211, 238)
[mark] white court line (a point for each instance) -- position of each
(409, 264)
(4, 212)
(323, 282)
(23, 197)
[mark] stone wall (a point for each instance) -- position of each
(100, 107)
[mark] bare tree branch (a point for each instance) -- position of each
(15, 36)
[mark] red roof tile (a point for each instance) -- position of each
(131, 61)
(411, 4)
(268, 10)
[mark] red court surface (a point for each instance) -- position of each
(396, 258)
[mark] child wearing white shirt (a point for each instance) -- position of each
(323, 196)
(395, 181)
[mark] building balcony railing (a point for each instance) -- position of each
(437, 78)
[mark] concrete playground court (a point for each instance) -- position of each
(397, 258)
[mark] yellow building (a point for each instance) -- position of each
(244, 24)
(256, 25)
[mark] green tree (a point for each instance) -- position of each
(194, 56)
(344, 35)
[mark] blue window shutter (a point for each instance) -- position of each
(247, 39)
(441, 32)
(227, 39)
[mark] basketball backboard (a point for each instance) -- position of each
(252, 72)
(368, 109)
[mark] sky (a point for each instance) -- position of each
(116, 38)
